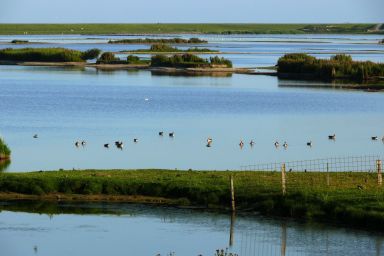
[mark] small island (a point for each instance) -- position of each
(5, 152)
(9, 55)
(338, 67)
(159, 40)
(167, 49)
(16, 41)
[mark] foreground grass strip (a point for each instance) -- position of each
(353, 199)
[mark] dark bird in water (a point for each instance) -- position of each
(241, 144)
(209, 142)
(77, 144)
(35, 136)
(285, 145)
(106, 145)
(172, 134)
(277, 144)
(83, 143)
(374, 138)
(119, 144)
(135, 140)
(332, 137)
(161, 133)
(251, 143)
(309, 144)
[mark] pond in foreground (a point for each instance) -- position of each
(126, 229)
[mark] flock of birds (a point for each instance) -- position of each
(120, 144)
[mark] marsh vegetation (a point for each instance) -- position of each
(47, 54)
(339, 66)
(165, 48)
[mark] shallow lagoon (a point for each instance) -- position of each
(63, 105)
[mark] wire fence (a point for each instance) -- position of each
(336, 164)
(360, 175)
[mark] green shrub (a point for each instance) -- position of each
(91, 54)
(5, 152)
(338, 67)
(132, 59)
(107, 58)
(187, 61)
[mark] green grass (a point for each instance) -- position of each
(353, 199)
(17, 29)
(47, 54)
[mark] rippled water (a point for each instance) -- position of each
(141, 230)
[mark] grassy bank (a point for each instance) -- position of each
(47, 54)
(342, 67)
(164, 48)
(237, 28)
(158, 41)
(353, 199)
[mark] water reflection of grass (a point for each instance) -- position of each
(351, 198)
(4, 164)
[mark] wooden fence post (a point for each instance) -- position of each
(283, 179)
(379, 172)
(233, 208)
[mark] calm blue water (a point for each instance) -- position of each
(140, 230)
(63, 105)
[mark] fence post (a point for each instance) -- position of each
(327, 174)
(379, 173)
(283, 179)
(232, 195)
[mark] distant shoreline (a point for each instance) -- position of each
(190, 28)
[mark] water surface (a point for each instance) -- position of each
(125, 229)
